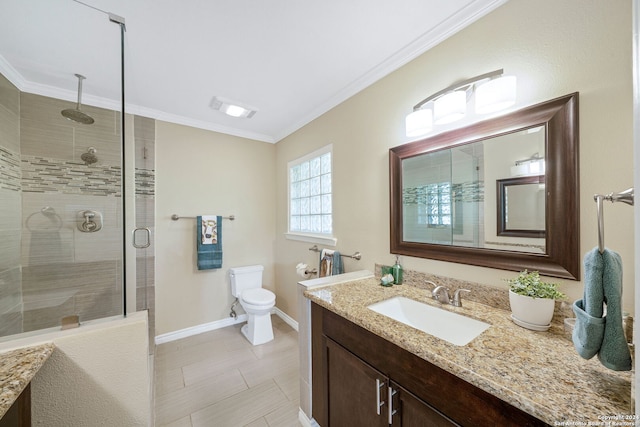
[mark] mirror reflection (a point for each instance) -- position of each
(448, 195)
(521, 207)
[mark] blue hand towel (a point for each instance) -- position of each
(593, 333)
(589, 329)
(614, 352)
(209, 255)
(337, 267)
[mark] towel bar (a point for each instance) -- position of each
(175, 217)
(357, 256)
(626, 196)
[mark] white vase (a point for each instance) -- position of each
(536, 312)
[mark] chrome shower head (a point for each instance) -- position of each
(89, 157)
(75, 114)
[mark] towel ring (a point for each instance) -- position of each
(49, 213)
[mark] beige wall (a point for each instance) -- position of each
(202, 172)
(554, 48)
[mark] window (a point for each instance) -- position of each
(310, 207)
(437, 205)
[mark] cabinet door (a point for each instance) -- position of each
(357, 392)
(409, 411)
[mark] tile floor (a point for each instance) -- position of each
(218, 379)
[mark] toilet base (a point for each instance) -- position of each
(258, 329)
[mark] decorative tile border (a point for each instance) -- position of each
(10, 173)
(460, 192)
(145, 182)
(42, 175)
(45, 175)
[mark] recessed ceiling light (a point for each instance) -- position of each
(232, 108)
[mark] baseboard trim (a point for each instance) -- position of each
(199, 329)
(223, 323)
(287, 319)
(305, 421)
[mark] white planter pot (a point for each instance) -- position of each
(536, 312)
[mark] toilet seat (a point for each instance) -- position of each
(259, 297)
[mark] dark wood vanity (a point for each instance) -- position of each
(17, 368)
(19, 414)
(358, 378)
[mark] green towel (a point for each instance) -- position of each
(594, 334)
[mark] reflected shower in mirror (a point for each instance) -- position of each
(444, 198)
(444, 203)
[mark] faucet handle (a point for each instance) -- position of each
(457, 301)
(441, 294)
(435, 290)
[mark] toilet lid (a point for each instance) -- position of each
(258, 296)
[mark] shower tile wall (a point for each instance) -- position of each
(10, 210)
(48, 267)
(66, 271)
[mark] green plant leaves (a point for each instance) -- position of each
(529, 284)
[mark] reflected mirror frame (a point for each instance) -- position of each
(562, 255)
(501, 209)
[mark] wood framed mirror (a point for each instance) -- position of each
(440, 208)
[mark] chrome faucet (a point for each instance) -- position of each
(441, 294)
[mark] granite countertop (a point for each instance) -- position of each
(17, 369)
(538, 372)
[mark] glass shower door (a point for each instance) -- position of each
(61, 209)
(143, 242)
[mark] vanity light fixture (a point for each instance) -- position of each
(419, 122)
(534, 165)
(232, 108)
(450, 107)
(493, 92)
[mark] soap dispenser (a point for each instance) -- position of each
(396, 271)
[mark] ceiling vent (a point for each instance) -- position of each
(232, 108)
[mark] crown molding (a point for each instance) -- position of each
(426, 41)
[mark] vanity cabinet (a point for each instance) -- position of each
(19, 414)
(361, 379)
(357, 392)
(361, 395)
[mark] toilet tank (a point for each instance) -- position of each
(242, 278)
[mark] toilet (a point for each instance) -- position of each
(246, 285)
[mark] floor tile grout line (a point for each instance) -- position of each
(187, 349)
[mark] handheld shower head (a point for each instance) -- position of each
(75, 114)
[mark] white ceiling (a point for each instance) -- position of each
(292, 60)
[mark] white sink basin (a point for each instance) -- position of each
(452, 327)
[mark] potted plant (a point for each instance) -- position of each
(532, 301)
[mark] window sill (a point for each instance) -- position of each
(312, 238)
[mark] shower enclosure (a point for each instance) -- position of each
(65, 246)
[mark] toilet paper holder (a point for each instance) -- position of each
(303, 270)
